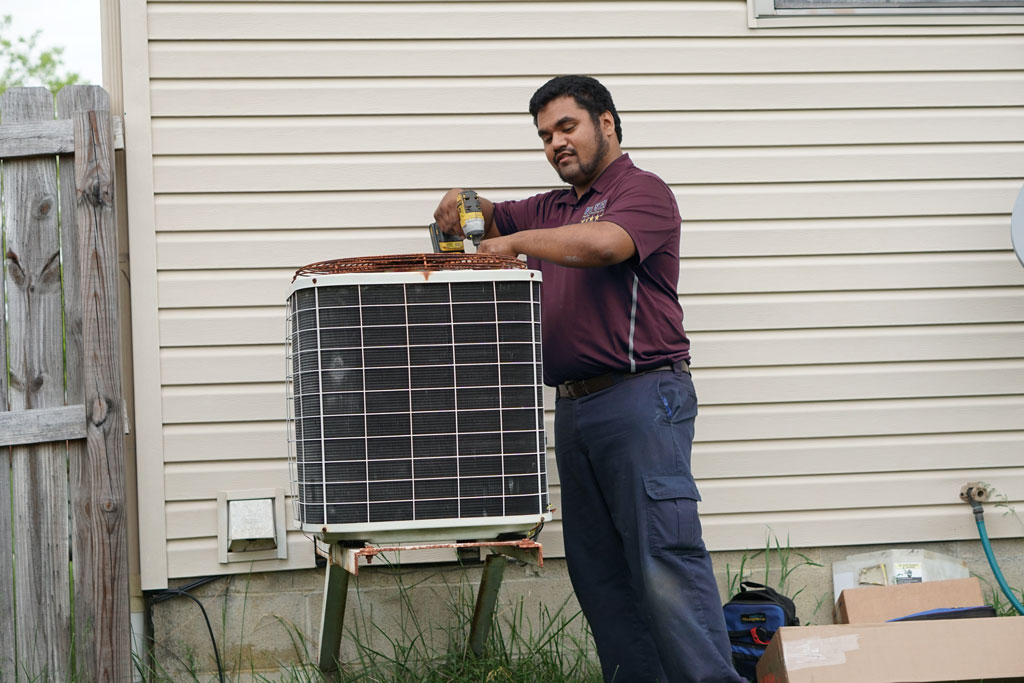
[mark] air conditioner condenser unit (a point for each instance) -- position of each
(415, 399)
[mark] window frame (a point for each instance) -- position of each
(764, 14)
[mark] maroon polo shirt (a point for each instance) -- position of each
(624, 317)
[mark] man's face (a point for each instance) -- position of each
(573, 144)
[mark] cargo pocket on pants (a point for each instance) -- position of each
(673, 526)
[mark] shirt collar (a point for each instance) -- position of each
(607, 177)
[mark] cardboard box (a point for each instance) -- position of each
(897, 652)
(873, 604)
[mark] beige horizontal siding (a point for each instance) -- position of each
(699, 204)
(198, 557)
(235, 402)
(280, 173)
(846, 491)
(710, 312)
(446, 95)
(856, 312)
(191, 442)
(699, 276)
(274, 248)
(320, 21)
(860, 527)
(490, 57)
(242, 364)
(435, 133)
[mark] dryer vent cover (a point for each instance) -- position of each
(415, 402)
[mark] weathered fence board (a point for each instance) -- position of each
(45, 138)
(40, 425)
(38, 472)
(100, 548)
(6, 550)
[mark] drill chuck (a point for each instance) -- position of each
(474, 230)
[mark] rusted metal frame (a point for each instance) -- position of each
(332, 617)
(523, 550)
(342, 561)
(401, 263)
(486, 599)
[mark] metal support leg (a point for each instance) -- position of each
(332, 618)
(486, 598)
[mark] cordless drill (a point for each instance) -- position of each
(471, 219)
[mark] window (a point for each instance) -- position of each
(884, 12)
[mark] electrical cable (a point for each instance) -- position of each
(169, 593)
(979, 519)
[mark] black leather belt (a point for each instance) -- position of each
(581, 387)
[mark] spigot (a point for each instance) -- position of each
(974, 491)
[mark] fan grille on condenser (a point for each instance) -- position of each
(415, 400)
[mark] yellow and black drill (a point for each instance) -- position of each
(471, 218)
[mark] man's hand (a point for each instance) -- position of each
(500, 246)
(446, 215)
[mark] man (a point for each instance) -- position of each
(615, 348)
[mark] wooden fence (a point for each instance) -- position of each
(63, 541)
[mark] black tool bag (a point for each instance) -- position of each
(752, 617)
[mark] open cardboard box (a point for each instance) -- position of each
(897, 652)
(881, 603)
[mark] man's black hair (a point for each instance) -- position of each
(588, 93)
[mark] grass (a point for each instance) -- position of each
(527, 643)
(780, 561)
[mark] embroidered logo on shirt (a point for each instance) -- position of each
(594, 213)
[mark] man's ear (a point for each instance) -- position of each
(607, 123)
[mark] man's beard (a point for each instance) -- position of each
(584, 171)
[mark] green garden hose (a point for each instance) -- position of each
(979, 518)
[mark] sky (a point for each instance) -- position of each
(71, 24)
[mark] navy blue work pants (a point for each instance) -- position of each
(633, 540)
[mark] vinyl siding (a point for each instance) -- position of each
(856, 312)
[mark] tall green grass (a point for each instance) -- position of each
(529, 642)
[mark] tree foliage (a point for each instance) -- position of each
(23, 63)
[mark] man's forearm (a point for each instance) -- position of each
(582, 245)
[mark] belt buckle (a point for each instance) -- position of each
(575, 388)
(570, 389)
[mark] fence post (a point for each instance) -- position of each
(6, 549)
(98, 470)
(38, 471)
